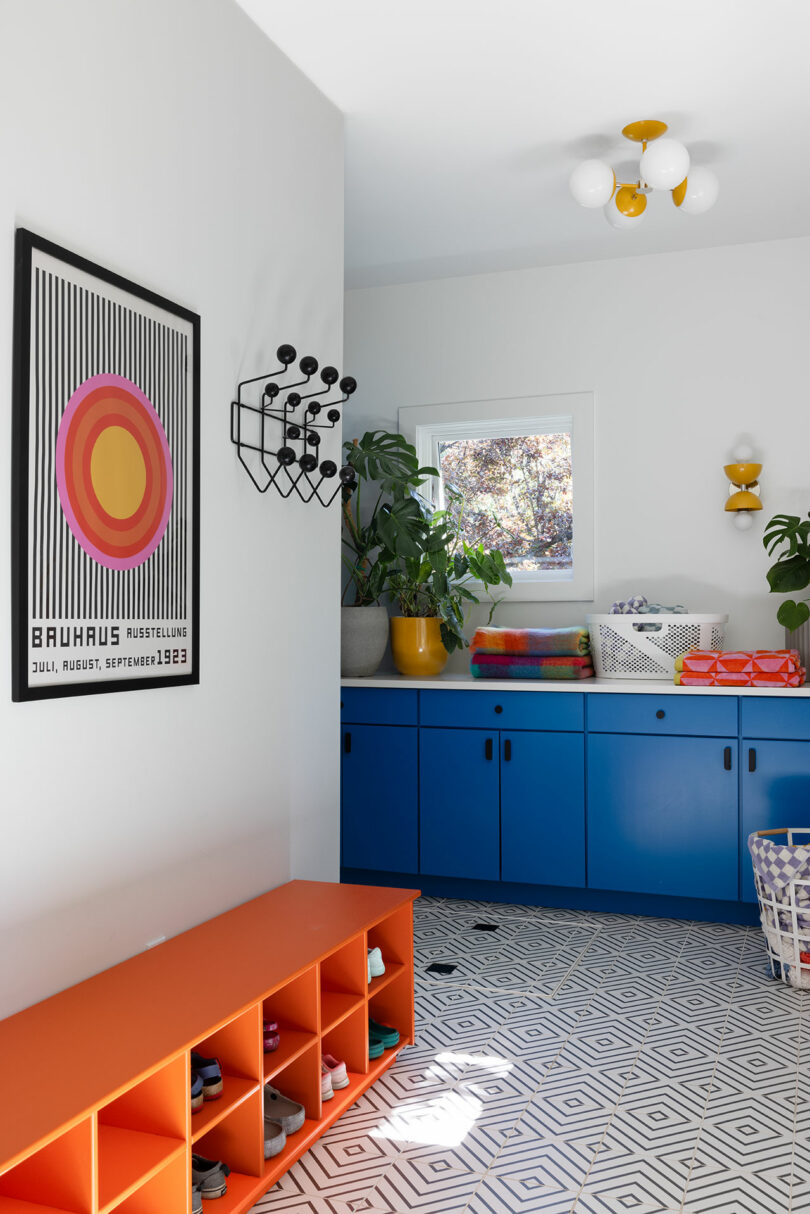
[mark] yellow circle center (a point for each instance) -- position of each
(118, 472)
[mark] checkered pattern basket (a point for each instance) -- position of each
(781, 860)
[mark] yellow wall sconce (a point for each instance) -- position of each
(743, 498)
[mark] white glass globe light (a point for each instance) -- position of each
(743, 454)
(664, 164)
(702, 188)
(743, 520)
(592, 183)
(617, 218)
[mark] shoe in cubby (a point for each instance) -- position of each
(345, 1044)
(237, 1051)
(344, 981)
(236, 1142)
(390, 940)
(294, 1008)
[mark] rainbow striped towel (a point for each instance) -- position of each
(574, 642)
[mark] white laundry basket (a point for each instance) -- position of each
(646, 646)
(784, 912)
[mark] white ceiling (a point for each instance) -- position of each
(464, 119)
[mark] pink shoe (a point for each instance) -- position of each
(336, 1070)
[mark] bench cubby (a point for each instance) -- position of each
(113, 1130)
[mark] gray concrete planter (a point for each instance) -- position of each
(800, 639)
(363, 638)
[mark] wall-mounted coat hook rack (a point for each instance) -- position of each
(294, 464)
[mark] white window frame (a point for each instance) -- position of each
(427, 425)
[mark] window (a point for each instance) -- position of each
(525, 470)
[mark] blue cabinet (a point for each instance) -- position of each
(458, 803)
(502, 806)
(775, 792)
(543, 808)
(380, 809)
(662, 815)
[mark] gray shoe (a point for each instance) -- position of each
(209, 1176)
(275, 1139)
(289, 1114)
(196, 1199)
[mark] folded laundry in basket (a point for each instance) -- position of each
(542, 641)
(740, 668)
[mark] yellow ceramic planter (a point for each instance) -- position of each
(416, 645)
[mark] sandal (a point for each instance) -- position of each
(210, 1072)
(271, 1036)
(289, 1114)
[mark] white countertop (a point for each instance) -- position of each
(465, 682)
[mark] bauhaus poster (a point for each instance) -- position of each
(105, 539)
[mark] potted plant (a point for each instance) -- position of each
(376, 533)
(790, 573)
(432, 587)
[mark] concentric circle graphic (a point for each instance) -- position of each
(114, 471)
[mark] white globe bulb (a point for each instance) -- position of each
(702, 188)
(742, 454)
(664, 164)
(743, 520)
(592, 183)
(617, 219)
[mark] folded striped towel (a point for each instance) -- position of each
(740, 668)
(541, 641)
(535, 660)
(504, 670)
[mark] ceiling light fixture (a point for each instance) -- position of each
(664, 165)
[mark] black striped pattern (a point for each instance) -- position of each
(77, 333)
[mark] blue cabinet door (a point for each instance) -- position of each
(379, 806)
(459, 817)
(775, 792)
(662, 815)
(543, 808)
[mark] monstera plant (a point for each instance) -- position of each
(791, 535)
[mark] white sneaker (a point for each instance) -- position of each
(326, 1083)
(337, 1071)
(376, 965)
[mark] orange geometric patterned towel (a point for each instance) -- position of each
(740, 668)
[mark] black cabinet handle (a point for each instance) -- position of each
(507, 750)
(347, 743)
(752, 759)
(727, 758)
(499, 707)
(488, 748)
(660, 714)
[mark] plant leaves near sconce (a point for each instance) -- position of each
(792, 615)
(790, 574)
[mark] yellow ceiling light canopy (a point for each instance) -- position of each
(664, 165)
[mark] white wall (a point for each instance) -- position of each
(172, 142)
(686, 354)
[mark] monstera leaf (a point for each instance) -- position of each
(792, 615)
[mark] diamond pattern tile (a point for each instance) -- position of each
(577, 1063)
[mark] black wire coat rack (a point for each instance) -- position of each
(296, 465)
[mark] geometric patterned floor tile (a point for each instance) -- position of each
(578, 1063)
(426, 1186)
(717, 1189)
(629, 1181)
(553, 1163)
(500, 1195)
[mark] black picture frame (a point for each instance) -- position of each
(132, 327)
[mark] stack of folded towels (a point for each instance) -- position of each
(531, 653)
(740, 668)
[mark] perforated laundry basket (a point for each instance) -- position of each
(781, 861)
(626, 647)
